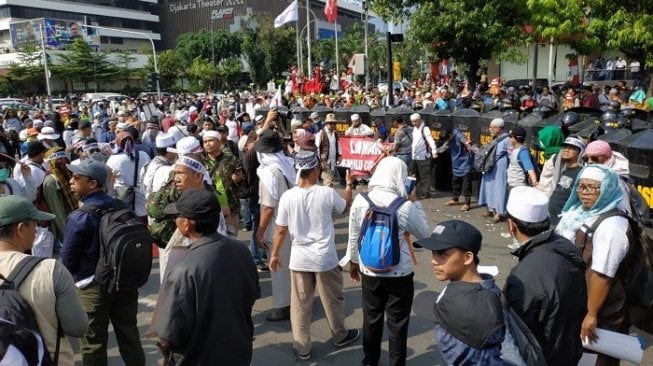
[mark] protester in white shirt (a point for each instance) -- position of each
(123, 164)
(358, 129)
(423, 150)
(305, 212)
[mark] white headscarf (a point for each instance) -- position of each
(270, 161)
(390, 175)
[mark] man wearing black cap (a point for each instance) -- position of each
(521, 170)
(216, 328)
(547, 287)
(80, 254)
(468, 312)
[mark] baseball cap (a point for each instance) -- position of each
(518, 132)
(194, 204)
(17, 208)
(90, 168)
(453, 233)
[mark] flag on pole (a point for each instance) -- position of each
(331, 10)
(276, 101)
(288, 15)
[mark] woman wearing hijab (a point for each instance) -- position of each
(122, 165)
(550, 139)
(594, 200)
(385, 185)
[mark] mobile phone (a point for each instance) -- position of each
(409, 184)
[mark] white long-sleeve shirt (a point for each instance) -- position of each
(421, 137)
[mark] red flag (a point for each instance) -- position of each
(331, 10)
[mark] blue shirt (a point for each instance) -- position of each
(81, 245)
(461, 158)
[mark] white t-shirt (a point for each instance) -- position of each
(123, 170)
(610, 245)
(307, 212)
(233, 130)
(37, 170)
(421, 137)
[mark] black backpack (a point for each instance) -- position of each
(125, 249)
(15, 309)
(485, 156)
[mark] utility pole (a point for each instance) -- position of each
(156, 68)
(390, 77)
(367, 73)
(45, 63)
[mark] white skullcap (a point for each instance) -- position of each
(415, 117)
(122, 125)
(497, 122)
(355, 117)
(212, 134)
(528, 204)
(593, 173)
(165, 140)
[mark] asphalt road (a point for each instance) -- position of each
(273, 340)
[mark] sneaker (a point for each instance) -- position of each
(246, 229)
(352, 335)
(262, 267)
(278, 314)
(305, 357)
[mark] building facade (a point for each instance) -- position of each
(181, 16)
(130, 15)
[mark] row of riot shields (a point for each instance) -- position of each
(634, 140)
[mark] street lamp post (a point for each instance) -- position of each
(367, 74)
(308, 36)
(301, 34)
(156, 67)
(45, 62)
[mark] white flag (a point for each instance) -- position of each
(276, 101)
(288, 15)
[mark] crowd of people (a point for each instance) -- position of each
(199, 169)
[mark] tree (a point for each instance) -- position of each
(269, 51)
(467, 30)
(212, 46)
(123, 61)
(29, 68)
(230, 70)
(170, 68)
(623, 25)
(204, 72)
(84, 64)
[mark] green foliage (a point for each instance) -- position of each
(269, 51)
(207, 45)
(5, 86)
(204, 72)
(29, 67)
(84, 64)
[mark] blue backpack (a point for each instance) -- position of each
(378, 243)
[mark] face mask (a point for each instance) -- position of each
(4, 174)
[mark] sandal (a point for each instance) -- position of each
(452, 203)
(465, 208)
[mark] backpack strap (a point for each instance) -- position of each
(22, 270)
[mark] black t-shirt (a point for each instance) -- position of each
(561, 193)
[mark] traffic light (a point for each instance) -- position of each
(153, 82)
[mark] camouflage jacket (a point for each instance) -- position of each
(220, 170)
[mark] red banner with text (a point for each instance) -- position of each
(361, 154)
